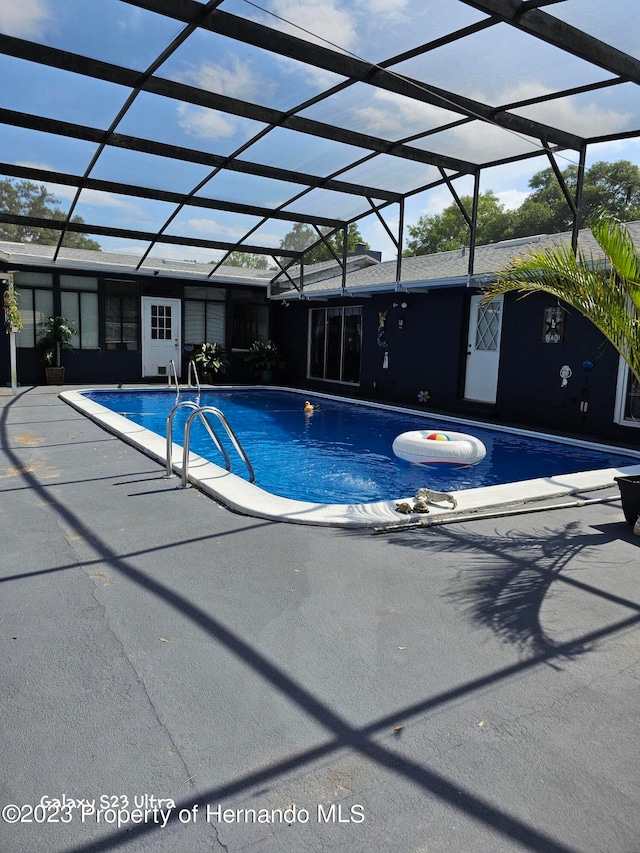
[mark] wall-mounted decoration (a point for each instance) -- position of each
(553, 325)
(565, 374)
(587, 366)
(423, 396)
(382, 319)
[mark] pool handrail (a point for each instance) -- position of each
(169, 433)
(200, 412)
(193, 369)
(171, 370)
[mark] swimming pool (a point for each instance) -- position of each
(337, 461)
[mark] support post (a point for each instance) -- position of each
(14, 363)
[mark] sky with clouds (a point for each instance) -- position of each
(499, 65)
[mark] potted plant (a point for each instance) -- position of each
(54, 336)
(263, 357)
(211, 360)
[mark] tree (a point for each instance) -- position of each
(247, 259)
(606, 292)
(449, 230)
(24, 198)
(614, 187)
(303, 236)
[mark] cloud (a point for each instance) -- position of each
(512, 199)
(479, 141)
(236, 81)
(583, 114)
(329, 24)
(395, 116)
(317, 21)
(133, 21)
(97, 198)
(93, 198)
(206, 124)
(26, 19)
(392, 10)
(621, 149)
(214, 230)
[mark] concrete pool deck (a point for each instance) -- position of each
(237, 494)
(470, 688)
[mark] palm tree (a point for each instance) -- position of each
(606, 290)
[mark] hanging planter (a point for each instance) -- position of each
(13, 324)
(12, 317)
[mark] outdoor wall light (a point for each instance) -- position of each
(403, 306)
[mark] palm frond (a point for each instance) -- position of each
(606, 292)
(617, 244)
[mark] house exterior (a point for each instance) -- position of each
(506, 361)
(131, 322)
(425, 340)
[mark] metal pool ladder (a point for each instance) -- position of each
(200, 412)
(171, 371)
(196, 381)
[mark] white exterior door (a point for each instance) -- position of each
(160, 335)
(483, 350)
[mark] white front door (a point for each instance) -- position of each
(483, 350)
(160, 335)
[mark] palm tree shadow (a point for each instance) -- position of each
(506, 593)
(508, 597)
(506, 578)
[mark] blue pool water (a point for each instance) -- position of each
(342, 453)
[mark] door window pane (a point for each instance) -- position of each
(488, 327)
(160, 322)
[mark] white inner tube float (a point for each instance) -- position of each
(433, 447)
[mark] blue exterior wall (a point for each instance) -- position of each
(424, 355)
(530, 387)
(98, 366)
(429, 354)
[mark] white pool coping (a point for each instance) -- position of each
(243, 497)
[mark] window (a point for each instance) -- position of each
(161, 322)
(627, 411)
(204, 315)
(79, 306)
(122, 315)
(35, 304)
(250, 318)
(335, 344)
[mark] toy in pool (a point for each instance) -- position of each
(429, 447)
